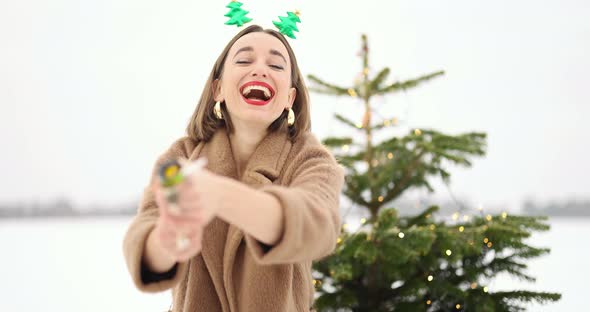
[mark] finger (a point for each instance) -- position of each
(185, 216)
(166, 233)
(163, 205)
(186, 189)
(195, 233)
(169, 199)
(189, 206)
(166, 238)
(185, 243)
(188, 228)
(192, 248)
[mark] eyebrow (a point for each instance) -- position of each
(250, 49)
(277, 53)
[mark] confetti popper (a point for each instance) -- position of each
(173, 173)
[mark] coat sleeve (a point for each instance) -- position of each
(311, 213)
(143, 223)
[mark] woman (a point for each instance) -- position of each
(264, 208)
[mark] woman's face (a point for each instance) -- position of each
(256, 80)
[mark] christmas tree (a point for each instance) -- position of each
(422, 262)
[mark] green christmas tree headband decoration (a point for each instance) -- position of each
(286, 25)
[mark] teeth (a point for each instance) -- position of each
(247, 89)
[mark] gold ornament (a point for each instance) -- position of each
(291, 117)
(217, 110)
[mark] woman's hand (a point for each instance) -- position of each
(178, 233)
(179, 228)
(201, 194)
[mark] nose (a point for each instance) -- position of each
(259, 71)
(254, 74)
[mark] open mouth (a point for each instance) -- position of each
(257, 92)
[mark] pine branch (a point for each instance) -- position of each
(378, 81)
(402, 184)
(345, 120)
(526, 296)
(337, 142)
(408, 83)
(327, 87)
(325, 91)
(418, 220)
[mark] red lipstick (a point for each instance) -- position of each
(257, 102)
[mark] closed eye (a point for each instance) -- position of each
(277, 67)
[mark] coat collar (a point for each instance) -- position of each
(264, 164)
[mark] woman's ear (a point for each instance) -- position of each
(216, 85)
(292, 96)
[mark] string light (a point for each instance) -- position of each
(504, 215)
(489, 217)
(428, 302)
(389, 155)
(363, 220)
(380, 198)
(432, 227)
(339, 240)
(430, 278)
(448, 252)
(490, 245)
(345, 147)
(351, 92)
(485, 240)
(485, 289)
(455, 216)
(417, 132)
(458, 306)
(461, 229)
(359, 125)
(401, 235)
(473, 285)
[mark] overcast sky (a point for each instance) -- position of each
(91, 92)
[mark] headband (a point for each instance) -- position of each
(286, 24)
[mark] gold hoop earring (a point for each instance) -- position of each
(291, 117)
(217, 110)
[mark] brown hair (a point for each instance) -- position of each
(203, 122)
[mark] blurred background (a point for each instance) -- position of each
(91, 93)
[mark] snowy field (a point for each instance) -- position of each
(77, 265)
